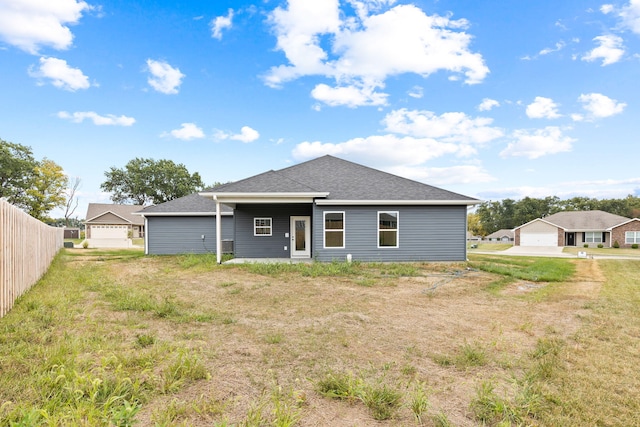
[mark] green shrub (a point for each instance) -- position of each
(600, 245)
(616, 244)
(586, 245)
(85, 244)
(634, 246)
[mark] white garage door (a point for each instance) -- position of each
(538, 239)
(108, 231)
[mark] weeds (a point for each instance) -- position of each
(419, 403)
(186, 367)
(468, 355)
(381, 400)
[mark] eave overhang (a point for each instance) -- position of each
(149, 214)
(231, 199)
(330, 202)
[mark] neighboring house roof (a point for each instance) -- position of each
(583, 220)
(193, 204)
(501, 233)
(336, 180)
(117, 214)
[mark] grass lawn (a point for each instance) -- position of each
(117, 338)
(489, 247)
(626, 252)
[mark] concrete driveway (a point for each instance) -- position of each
(544, 251)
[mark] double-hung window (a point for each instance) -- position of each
(262, 226)
(388, 229)
(631, 237)
(334, 229)
(593, 237)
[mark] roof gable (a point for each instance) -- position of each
(125, 212)
(343, 180)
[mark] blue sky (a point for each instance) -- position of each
(491, 99)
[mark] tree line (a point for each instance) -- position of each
(39, 186)
(492, 216)
(35, 186)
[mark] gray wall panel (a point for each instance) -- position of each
(426, 233)
(181, 234)
(249, 246)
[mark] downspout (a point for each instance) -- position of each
(218, 231)
(146, 236)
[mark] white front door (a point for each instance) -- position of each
(300, 237)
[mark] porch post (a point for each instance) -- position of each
(218, 232)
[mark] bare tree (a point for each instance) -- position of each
(72, 199)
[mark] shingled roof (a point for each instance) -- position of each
(585, 220)
(342, 180)
(193, 204)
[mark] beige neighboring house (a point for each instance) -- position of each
(501, 236)
(580, 228)
(109, 225)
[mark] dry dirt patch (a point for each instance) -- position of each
(288, 331)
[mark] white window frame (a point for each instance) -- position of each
(256, 227)
(397, 229)
(330, 230)
(631, 240)
(593, 237)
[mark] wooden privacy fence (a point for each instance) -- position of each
(27, 247)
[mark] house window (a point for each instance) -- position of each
(631, 237)
(262, 226)
(593, 237)
(388, 229)
(334, 229)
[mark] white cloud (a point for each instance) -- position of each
(187, 132)
(454, 175)
(606, 8)
(164, 78)
(542, 108)
(610, 50)
(32, 24)
(220, 23)
(60, 73)
(449, 127)
(350, 96)
(538, 143)
(488, 104)
(416, 92)
(246, 135)
(380, 149)
(600, 106)
(108, 120)
(559, 46)
(361, 52)
(630, 16)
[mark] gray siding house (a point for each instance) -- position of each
(186, 225)
(332, 209)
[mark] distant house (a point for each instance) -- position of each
(332, 209)
(503, 236)
(109, 225)
(473, 238)
(579, 228)
(186, 225)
